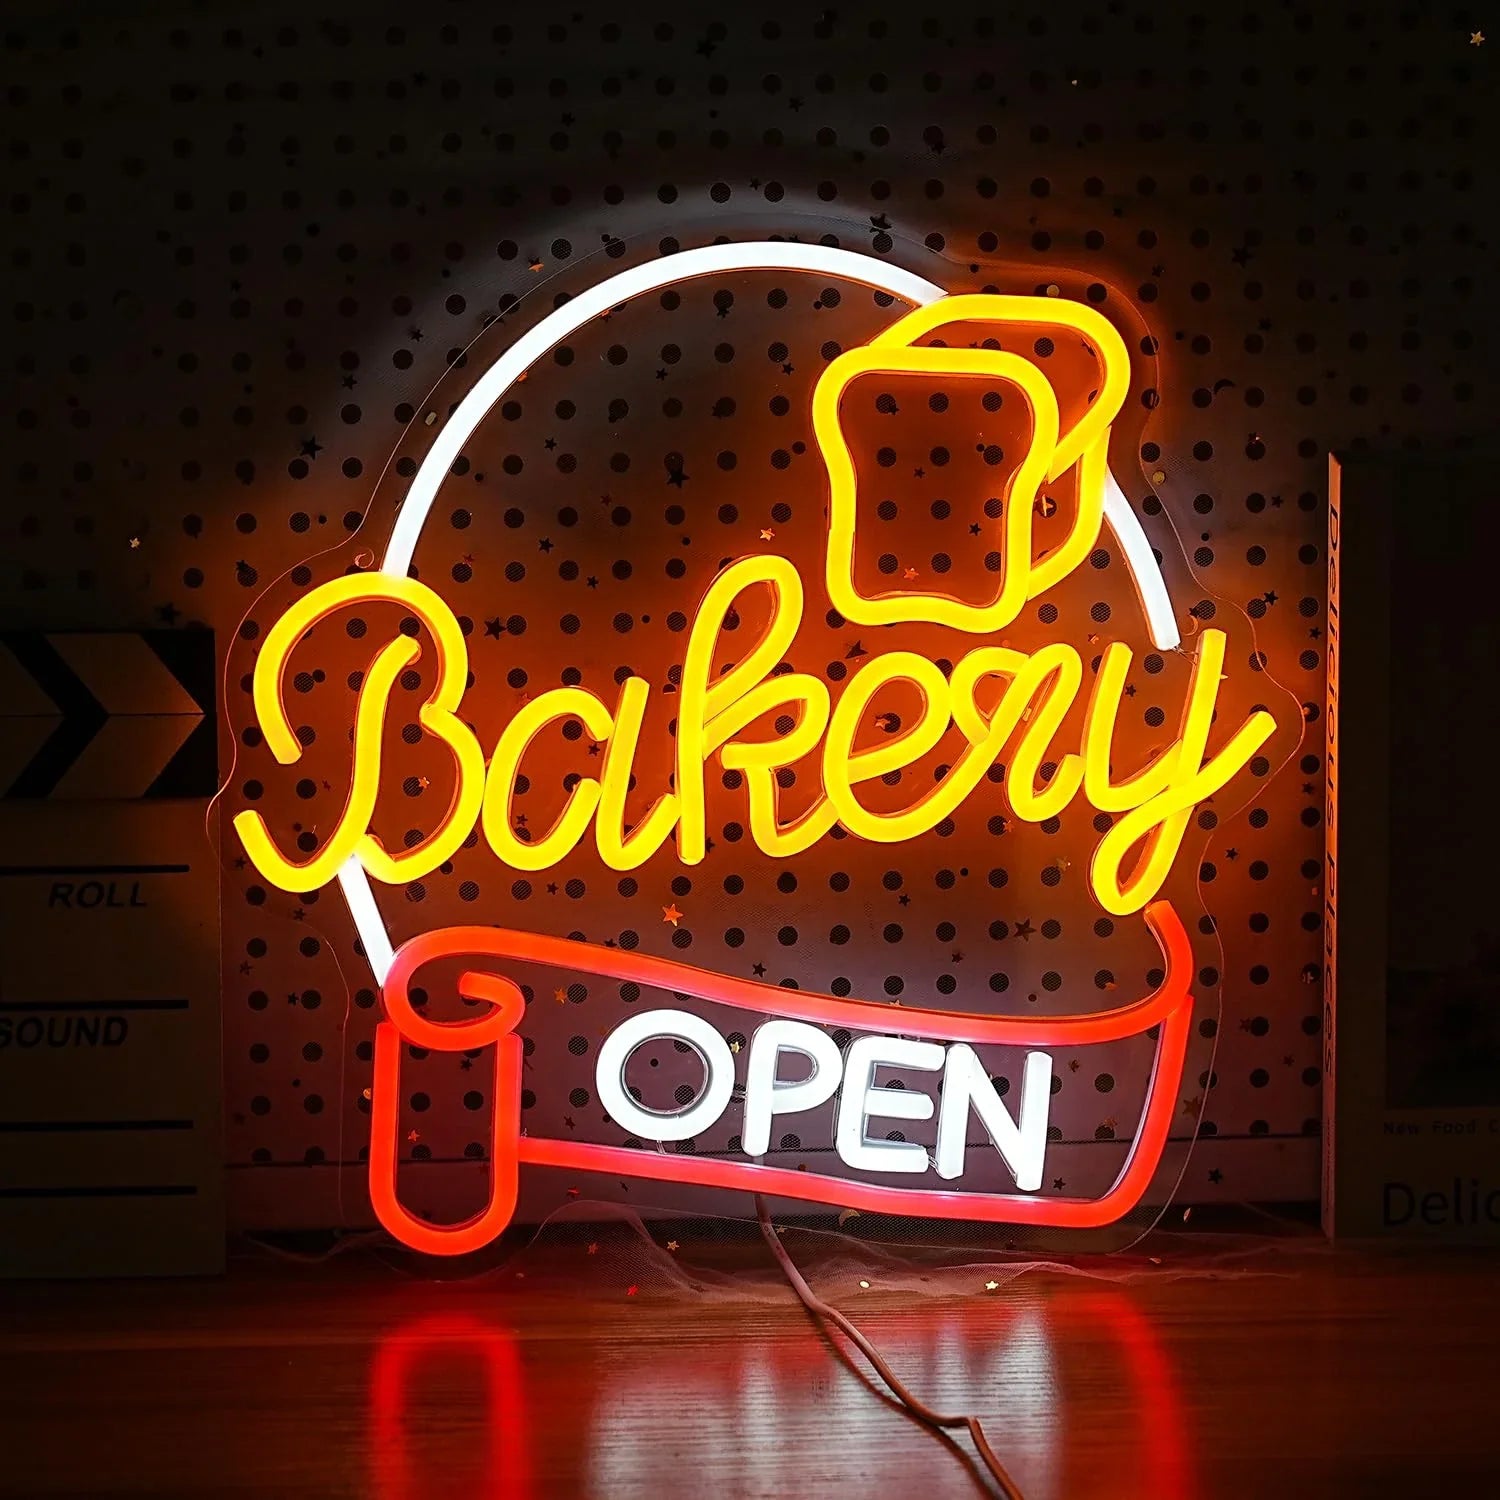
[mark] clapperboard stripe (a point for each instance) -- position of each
(118, 714)
(28, 718)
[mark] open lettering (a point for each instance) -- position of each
(965, 1089)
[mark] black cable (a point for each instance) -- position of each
(923, 1413)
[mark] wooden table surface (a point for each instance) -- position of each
(1309, 1373)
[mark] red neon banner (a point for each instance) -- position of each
(1169, 1007)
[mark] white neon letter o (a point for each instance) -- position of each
(665, 1125)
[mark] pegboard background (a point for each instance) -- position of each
(245, 256)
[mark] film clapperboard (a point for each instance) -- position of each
(111, 1139)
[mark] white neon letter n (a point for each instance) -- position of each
(1022, 1143)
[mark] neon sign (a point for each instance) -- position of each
(740, 705)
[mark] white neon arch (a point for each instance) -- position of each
(612, 292)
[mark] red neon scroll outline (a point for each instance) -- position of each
(497, 1027)
(1168, 1007)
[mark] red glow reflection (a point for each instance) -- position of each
(397, 1404)
(1071, 1382)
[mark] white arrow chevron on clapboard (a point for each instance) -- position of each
(30, 717)
(123, 673)
(151, 714)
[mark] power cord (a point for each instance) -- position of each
(923, 1413)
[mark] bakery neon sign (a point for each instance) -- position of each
(999, 700)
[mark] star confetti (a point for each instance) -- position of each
(992, 1286)
(766, 533)
(671, 914)
(672, 1246)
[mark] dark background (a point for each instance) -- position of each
(243, 245)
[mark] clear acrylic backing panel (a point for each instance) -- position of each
(574, 537)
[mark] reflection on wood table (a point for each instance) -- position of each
(1306, 1372)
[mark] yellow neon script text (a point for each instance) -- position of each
(1029, 696)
